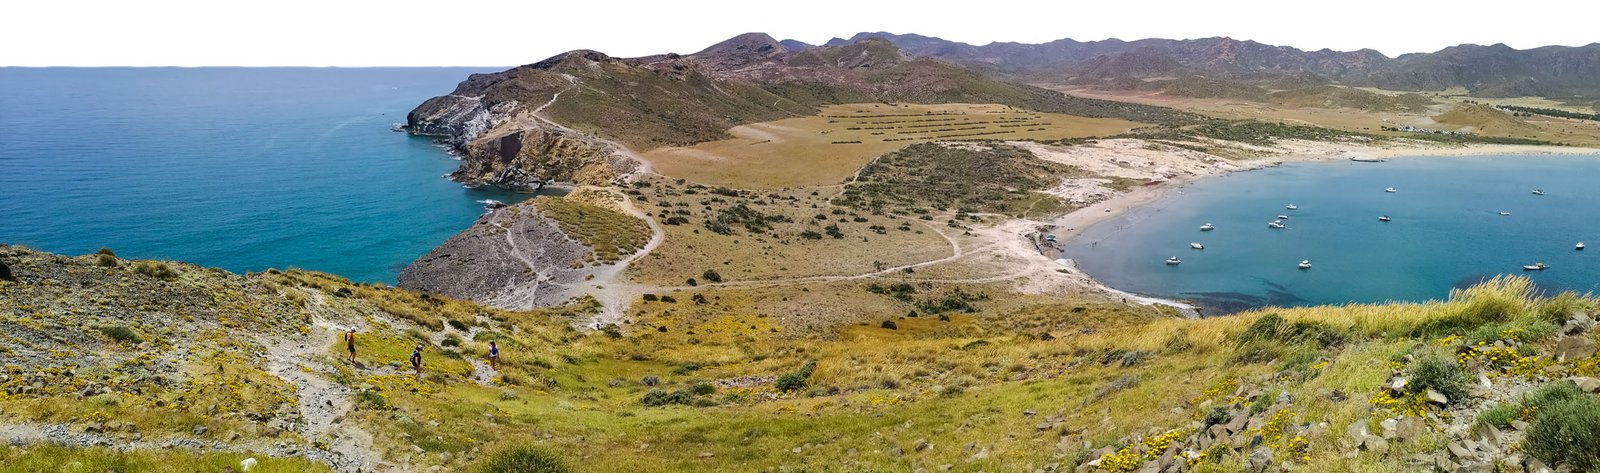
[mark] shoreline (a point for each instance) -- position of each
(1072, 225)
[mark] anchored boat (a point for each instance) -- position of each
(1390, 190)
(1384, 218)
(1305, 264)
(1173, 261)
(1197, 246)
(1292, 207)
(1579, 247)
(1275, 224)
(1536, 267)
(1207, 227)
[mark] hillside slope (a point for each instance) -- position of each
(578, 117)
(101, 376)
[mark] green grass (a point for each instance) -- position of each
(613, 235)
(97, 460)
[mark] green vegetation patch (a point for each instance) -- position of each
(989, 178)
(612, 234)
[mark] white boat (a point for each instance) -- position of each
(1197, 246)
(1384, 218)
(1390, 190)
(1579, 247)
(1173, 261)
(1283, 217)
(1275, 224)
(1538, 192)
(1291, 207)
(1305, 264)
(1207, 227)
(1504, 213)
(1536, 267)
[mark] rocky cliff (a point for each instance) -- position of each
(512, 257)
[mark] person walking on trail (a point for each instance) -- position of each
(350, 343)
(416, 360)
(494, 356)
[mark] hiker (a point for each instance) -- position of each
(350, 343)
(416, 360)
(494, 356)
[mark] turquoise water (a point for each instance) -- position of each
(243, 169)
(1446, 232)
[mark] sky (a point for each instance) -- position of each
(357, 33)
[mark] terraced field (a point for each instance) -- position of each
(828, 148)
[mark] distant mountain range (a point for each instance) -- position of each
(1487, 71)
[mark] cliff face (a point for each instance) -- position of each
(512, 257)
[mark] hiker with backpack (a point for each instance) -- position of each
(416, 360)
(494, 356)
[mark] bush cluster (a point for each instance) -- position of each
(796, 380)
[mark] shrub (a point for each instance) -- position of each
(105, 259)
(677, 220)
(106, 251)
(122, 334)
(1499, 415)
(373, 399)
(1552, 394)
(450, 341)
(1567, 432)
(711, 275)
(1217, 415)
(692, 282)
(795, 380)
(1440, 375)
(650, 298)
(155, 269)
(612, 330)
(669, 299)
(456, 324)
(523, 460)
(810, 235)
(701, 389)
(889, 324)
(657, 397)
(833, 231)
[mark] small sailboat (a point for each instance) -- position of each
(1536, 267)
(1292, 207)
(1305, 264)
(1207, 227)
(1275, 224)
(1283, 217)
(1504, 213)
(1197, 246)
(1384, 218)
(1173, 261)
(1390, 190)
(1579, 247)
(1538, 192)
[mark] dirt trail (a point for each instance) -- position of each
(323, 404)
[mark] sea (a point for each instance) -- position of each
(238, 168)
(1446, 232)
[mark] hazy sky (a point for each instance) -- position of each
(497, 33)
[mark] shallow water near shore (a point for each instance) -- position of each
(1446, 232)
(242, 169)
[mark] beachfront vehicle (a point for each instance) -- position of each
(1305, 264)
(1579, 247)
(1173, 261)
(1384, 218)
(1197, 246)
(1275, 224)
(1536, 267)
(1207, 227)
(1390, 190)
(1292, 207)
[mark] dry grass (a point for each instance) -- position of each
(612, 234)
(828, 148)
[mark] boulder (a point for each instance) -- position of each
(1580, 323)
(1260, 460)
(1586, 383)
(1436, 397)
(1575, 347)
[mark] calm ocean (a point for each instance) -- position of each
(243, 169)
(1446, 232)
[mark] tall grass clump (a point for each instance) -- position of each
(1497, 300)
(524, 460)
